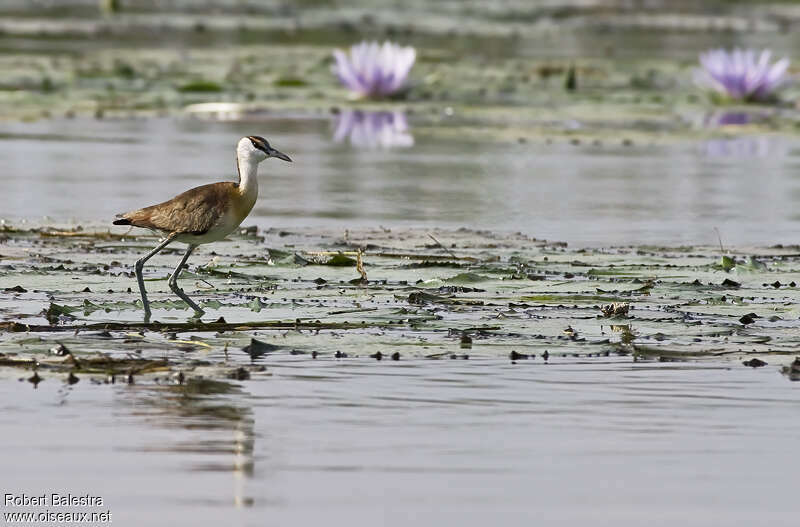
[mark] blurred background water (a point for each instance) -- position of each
(118, 104)
(88, 171)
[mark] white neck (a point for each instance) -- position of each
(247, 164)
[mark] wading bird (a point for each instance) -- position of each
(203, 214)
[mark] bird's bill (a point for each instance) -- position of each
(279, 155)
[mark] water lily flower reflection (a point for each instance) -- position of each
(729, 119)
(725, 118)
(373, 129)
(741, 74)
(374, 70)
(739, 147)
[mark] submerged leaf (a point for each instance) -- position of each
(55, 311)
(467, 278)
(421, 298)
(258, 348)
(200, 86)
(727, 263)
(255, 305)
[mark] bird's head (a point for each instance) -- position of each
(256, 147)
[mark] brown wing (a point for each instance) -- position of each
(195, 211)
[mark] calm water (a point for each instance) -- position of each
(354, 442)
(430, 442)
(86, 170)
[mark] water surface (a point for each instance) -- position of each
(746, 185)
(610, 442)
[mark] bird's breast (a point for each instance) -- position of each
(242, 203)
(233, 213)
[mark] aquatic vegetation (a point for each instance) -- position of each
(538, 299)
(202, 86)
(373, 129)
(374, 70)
(741, 75)
(615, 309)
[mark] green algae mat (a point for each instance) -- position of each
(70, 308)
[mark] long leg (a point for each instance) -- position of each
(139, 266)
(173, 282)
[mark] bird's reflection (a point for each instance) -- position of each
(380, 129)
(215, 424)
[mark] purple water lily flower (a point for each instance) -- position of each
(373, 129)
(741, 74)
(374, 70)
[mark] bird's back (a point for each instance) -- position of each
(196, 211)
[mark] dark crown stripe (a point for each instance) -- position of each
(259, 142)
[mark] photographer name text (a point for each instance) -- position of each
(52, 500)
